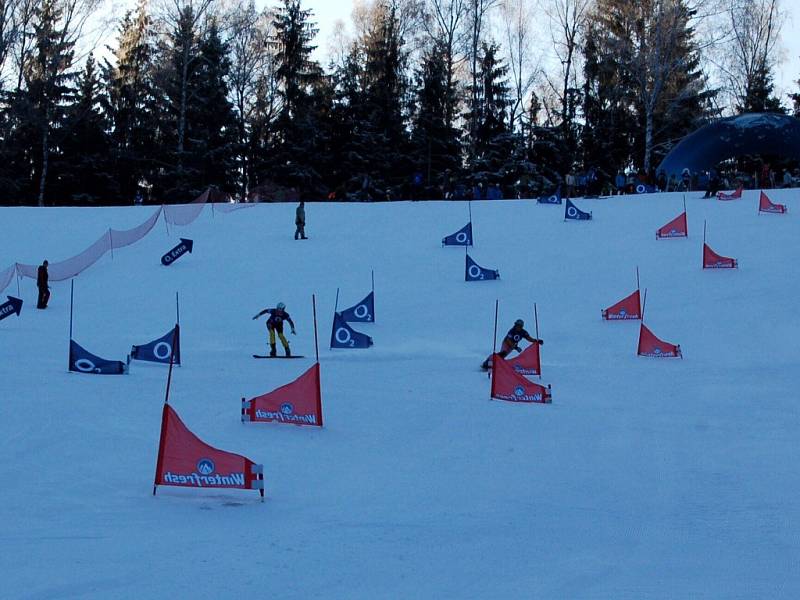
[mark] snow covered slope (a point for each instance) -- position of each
(645, 478)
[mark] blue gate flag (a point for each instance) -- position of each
(363, 312)
(551, 199)
(574, 213)
(83, 361)
(159, 350)
(344, 336)
(462, 237)
(475, 272)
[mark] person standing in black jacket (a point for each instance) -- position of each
(300, 222)
(42, 279)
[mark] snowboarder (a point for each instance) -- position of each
(275, 321)
(42, 279)
(300, 221)
(511, 342)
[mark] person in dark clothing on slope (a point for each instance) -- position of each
(300, 222)
(275, 321)
(42, 280)
(511, 342)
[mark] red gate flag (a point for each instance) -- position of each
(509, 385)
(712, 260)
(675, 228)
(650, 345)
(527, 362)
(298, 403)
(629, 308)
(185, 460)
(766, 205)
(732, 196)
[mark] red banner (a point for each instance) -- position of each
(675, 228)
(712, 260)
(509, 385)
(629, 308)
(298, 403)
(650, 345)
(187, 461)
(732, 196)
(527, 362)
(766, 205)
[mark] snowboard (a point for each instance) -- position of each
(267, 356)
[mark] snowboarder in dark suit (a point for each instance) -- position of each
(275, 321)
(511, 342)
(42, 279)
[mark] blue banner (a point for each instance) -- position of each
(574, 213)
(643, 188)
(363, 312)
(12, 307)
(83, 361)
(475, 272)
(159, 350)
(551, 199)
(344, 336)
(462, 237)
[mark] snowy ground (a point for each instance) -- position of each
(645, 478)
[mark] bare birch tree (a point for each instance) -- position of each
(517, 20)
(252, 61)
(444, 20)
(477, 13)
(566, 20)
(752, 53)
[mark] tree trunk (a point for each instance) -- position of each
(45, 159)
(182, 109)
(648, 138)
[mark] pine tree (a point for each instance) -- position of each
(608, 120)
(214, 145)
(296, 141)
(40, 106)
(759, 94)
(132, 105)
(385, 96)
(348, 123)
(435, 144)
(197, 144)
(84, 167)
(549, 155)
(494, 142)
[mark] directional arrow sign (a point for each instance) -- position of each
(14, 305)
(178, 251)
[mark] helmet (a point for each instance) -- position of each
(281, 306)
(519, 323)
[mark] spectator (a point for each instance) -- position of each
(766, 175)
(571, 182)
(686, 180)
(619, 181)
(661, 181)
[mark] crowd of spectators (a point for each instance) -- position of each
(576, 183)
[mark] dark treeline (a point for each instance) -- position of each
(422, 103)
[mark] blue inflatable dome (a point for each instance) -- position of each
(752, 133)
